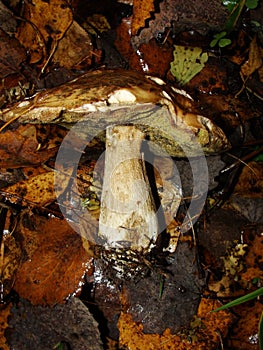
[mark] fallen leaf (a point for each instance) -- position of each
(96, 24)
(188, 61)
(254, 59)
(10, 258)
(63, 326)
(204, 337)
(12, 54)
(18, 147)
(141, 12)
(245, 333)
(74, 47)
(44, 21)
(5, 312)
(57, 261)
(36, 191)
(183, 15)
(7, 20)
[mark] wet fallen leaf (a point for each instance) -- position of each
(188, 61)
(63, 326)
(245, 334)
(57, 261)
(141, 12)
(204, 336)
(175, 14)
(44, 21)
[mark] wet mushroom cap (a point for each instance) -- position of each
(100, 99)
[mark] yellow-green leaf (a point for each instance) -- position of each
(188, 61)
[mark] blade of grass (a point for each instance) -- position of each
(241, 300)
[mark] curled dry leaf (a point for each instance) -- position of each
(44, 20)
(57, 263)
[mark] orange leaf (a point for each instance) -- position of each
(141, 11)
(45, 20)
(57, 261)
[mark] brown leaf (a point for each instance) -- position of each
(186, 15)
(4, 315)
(10, 257)
(7, 20)
(45, 21)
(12, 54)
(69, 326)
(141, 11)
(74, 47)
(36, 191)
(254, 60)
(19, 146)
(203, 337)
(57, 264)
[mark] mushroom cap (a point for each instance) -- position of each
(102, 98)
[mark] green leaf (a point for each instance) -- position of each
(224, 42)
(213, 43)
(234, 16)
(242, 299)
(251, 4)
(230, 4)
(188, 61)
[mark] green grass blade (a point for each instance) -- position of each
(242, 299)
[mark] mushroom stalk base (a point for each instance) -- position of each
(128, 215)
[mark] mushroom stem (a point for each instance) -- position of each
(128, 214)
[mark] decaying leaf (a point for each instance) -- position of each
(7, 20)
(141, 12)
(65, 326)
(57, 263)
(12, 54)
(96, 24)
(4, 316)
(204, 335)
(254, 59)
(183, 15)
(44, 20)
(19, 146)
(188, 61)
(37, 190)
(74, 47)
(10, 258)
